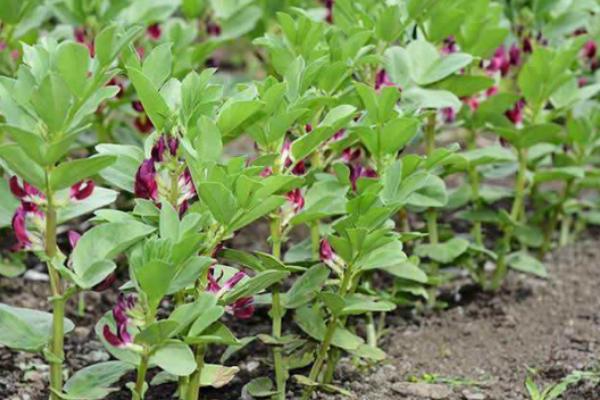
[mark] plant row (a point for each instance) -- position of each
(396, 146)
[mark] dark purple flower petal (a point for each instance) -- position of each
(111, 338)
(82, 190)
(74, 237)
(243, 308)
(154, 31)
(145, 181)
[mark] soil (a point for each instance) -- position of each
(479, 348)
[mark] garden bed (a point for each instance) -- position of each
(482, 345)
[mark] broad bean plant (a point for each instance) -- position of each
(393, 147)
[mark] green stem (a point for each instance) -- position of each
(58, 302)
(138, 393)
(277, 315)
(371, 330)
(193, 389)
(431, 213)
(565, 227)
(516, 210)
(475, 197)
(431, 216)
(326, 343)
(315, 240)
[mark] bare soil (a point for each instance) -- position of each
(480, 348)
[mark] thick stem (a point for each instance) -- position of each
(277, 314)
(475, 197)
(565, 228)
(432, 228)
(371, 330)
(193, 389)
(326, 343)
(58, 302)
(138, 393)
(516, 210)
(315, 240)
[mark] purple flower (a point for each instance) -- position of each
(590, 49)
(449, 46)
(448, 115)
(122, 337)
(145, 181)
(330, 258)
(299, 167)
(242, 308)
(515, 114)
(82, 190)
(527, 45)
(154, 31)
(349, 155)
(74, 237)
(500, 61)
(381, 80)
(27, 216)
(158, 150)
(296, 199)
(514, 55)
(358, 171)
(25, 192)
(213, 28)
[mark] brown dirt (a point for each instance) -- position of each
(484, 343)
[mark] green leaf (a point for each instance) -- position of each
(93, 382)
(31, 143)
(11, 267)
(175, 357)
(99, 198)
(154, 104)
(157, 66)
(189, 273)
(429, 98)
(444, 66)
(217, 376)
(465, 85)
(219, 200)
(10, 12)
(70, 172)
(25, 329)
(157, 332)
(208, 144)
(211, 314)
(523, 262)
(306, 287)
(22, 165)
(53, 113)
(8, 204)
(358, 304)
(106, 241)
(260, 387)
(337, 118)
(254, 285)
(217, 333)
(406, 270)
(313, 324)
(234, 113)
(443, 253)
(121, 173)
(72, 61)
(154, 278)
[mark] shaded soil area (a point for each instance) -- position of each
(480, 348)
